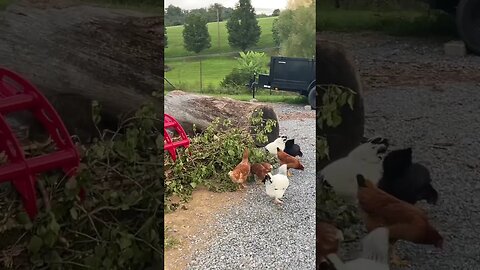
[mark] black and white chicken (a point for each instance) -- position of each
(277, 143)
(366, 159)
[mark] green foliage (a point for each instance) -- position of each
(253, 62)
(211, 155)
(329, 206)
(275, 33)
(117, 225)
(335, 97)
(236, 79)
(242, 26)
(165, 37)
(248, 64)
(296, 32)
(195, 34)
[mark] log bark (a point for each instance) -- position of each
(67, 49)
(191, 109)
(335, 66)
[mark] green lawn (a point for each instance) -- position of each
(175, 39)
(185, 72)
(412, 23)
(264, 96)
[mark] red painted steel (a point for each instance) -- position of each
(169, 145)
(17, 94)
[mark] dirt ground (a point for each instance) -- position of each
(190, 226)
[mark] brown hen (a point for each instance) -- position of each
(260, 170)
(328, 242)
(241, 172)
(292, 162)
(404, 221)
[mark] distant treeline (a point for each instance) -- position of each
(176, 16)
(373, 4)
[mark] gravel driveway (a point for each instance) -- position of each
(257, 234)
(442, 128)
(419, 98)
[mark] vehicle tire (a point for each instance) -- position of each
(312, 98)
(468, 24)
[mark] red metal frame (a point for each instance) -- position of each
(169, 145)
(17, 94)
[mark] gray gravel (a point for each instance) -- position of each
(257, 234)
(442, 128)
(420, 98)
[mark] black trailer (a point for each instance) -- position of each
(289, 74)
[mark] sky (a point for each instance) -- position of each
(261, 6)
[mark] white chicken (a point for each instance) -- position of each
(276, 185)
(278, 142)
(374, 254)
(366, 159)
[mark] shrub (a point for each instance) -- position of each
(210, 156)
(237, 78)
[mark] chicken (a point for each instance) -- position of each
(241, 172)
(276, 185)
(277, 143)
(292, 149)
(374, 253)
(366, 159)
(403, 220)
(291, 162)
(260, 170)
(328, 242)
(405, 180)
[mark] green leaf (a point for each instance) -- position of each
(99, 251)
(350, 101)
(35, 244)
(193, 184)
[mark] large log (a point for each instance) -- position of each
(335, 66)
(191, 109)
(67, 50)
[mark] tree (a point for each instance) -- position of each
(174, 16)
(275, 34)
(276, 12)
(212, 12)
(196, 37)
(296, 32)
(242, 26)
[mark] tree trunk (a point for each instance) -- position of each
(191, 109)
(112, 56)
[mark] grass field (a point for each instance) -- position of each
(175, 39)
(413, 23)
(186, 72)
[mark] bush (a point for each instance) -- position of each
(237, 78)
(116, 227)
(210, 156)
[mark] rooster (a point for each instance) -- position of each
(292, 148)
(291, 162)
(365, 159)
(241, 172)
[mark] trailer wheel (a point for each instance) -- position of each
(468, 23)
(312, 98)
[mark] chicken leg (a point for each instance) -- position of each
(289, 173)
(277, 201)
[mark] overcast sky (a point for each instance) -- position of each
(261, 6)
